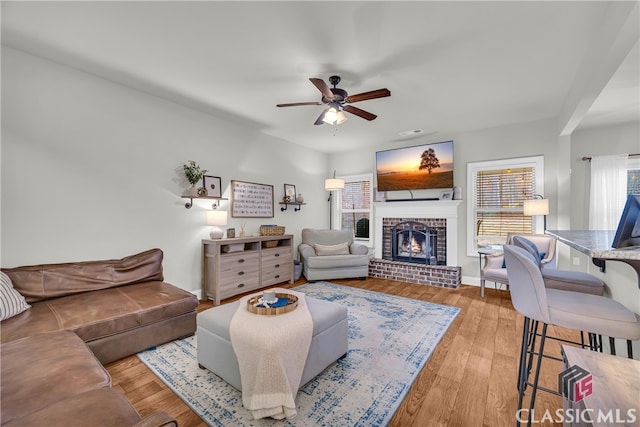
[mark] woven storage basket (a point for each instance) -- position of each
(274, 230)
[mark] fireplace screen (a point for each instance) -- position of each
(415, 242)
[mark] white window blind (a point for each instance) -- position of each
(497, 190)
(499, 199)
(355, 206)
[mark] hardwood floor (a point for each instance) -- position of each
(470, 379)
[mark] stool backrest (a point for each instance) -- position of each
(528, 293)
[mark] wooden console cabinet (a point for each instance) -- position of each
(238, 265)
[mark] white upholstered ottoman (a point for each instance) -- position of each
(328, 343)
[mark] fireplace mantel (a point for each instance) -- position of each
(447, 209)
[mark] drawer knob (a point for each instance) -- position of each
(277, 266)
(241, 260)
(276, 255)
(241, 285)
(240, 273)
(277, 276)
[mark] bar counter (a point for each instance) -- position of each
(597, 245)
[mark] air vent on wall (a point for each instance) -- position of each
(411, 132)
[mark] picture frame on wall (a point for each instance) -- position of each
(213, 185)
(289, 193)
(251, 200)
(446, 195)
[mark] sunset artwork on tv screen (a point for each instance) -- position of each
(414, 168)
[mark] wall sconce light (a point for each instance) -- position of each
(216, 218)
(537, 206)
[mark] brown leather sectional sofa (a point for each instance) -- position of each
(116, 307)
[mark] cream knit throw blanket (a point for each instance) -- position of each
(271, 352)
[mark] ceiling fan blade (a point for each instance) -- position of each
(358, 112)
(322, 87)
(295, 104)
(320, 117)
(379, 93)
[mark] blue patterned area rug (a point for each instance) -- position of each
(390, 340)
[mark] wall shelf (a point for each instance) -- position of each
(190, 202)
(297, 206)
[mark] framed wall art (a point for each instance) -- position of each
(251, 200)
(213, 184)
(289, 193)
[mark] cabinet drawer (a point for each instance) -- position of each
(273, 277)
(279, 253)
(239, 261)
(231, 276)
(239, 284)
(276, 272)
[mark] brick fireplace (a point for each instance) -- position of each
(416, 242)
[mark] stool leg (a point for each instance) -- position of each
(524, 349)
(612, 345)
(593, 342)
(522, 365)
(534, 388)
(532, 346)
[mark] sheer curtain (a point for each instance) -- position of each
(608, 191)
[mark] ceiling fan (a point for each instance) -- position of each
(336, 99)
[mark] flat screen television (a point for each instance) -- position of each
(415, 168)
(628, 232)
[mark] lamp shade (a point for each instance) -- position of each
(330, 116)
(332, 184)
(216, 217)
(536, 207)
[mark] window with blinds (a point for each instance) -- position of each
(355, 206)
(499, 198)
(497, 190)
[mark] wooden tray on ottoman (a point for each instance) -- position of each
(272, 311)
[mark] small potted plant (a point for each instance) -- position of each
(194, 175)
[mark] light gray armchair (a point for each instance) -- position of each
(494, 269)
(332, 254)
(542, 248)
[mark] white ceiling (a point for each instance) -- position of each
(450, 66)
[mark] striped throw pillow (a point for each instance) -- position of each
(11, 302)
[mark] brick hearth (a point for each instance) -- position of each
(435, 275)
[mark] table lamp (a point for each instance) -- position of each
(216, 218)
(537, 206)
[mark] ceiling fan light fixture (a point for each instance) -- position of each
(335, 98)
(331, 116)
(341, 117)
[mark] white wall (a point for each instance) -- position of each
(91, 169)
(517, 140)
